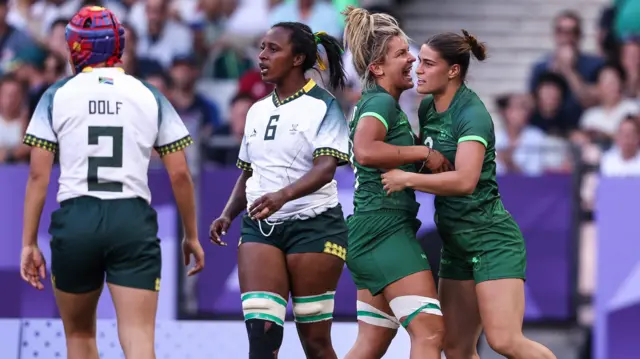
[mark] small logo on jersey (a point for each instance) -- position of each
(254, 133)
(294, 128)
(105, 80)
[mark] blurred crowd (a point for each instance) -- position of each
(202, 54)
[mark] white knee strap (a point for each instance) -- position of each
(374, 316)
(314, 308)
(409, 306)
(264, 305)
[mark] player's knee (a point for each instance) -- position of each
(265, 338)
(316, 345)
(315, 308)
(264, 314)
(407, 308)
(454, 350)
(373, 316)
(503, 342)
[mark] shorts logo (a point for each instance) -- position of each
(157, 289)
(239, 241)
(476, 262)
(335, 249)
(53, 281)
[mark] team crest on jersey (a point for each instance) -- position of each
(254, 133)
(294, 128)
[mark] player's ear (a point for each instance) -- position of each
(454, 71)
(376, 70)
(298, 60)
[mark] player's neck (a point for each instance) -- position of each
(289, 87)
(443, 100)
(390, 88)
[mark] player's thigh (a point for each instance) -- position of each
(497, 252)
(78, 245)
(78, 312)
(133, 257)
(501, 303)
(461, 317)
(264, 281)
(136, 316)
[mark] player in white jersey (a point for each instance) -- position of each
(294, 235)
(104, 124)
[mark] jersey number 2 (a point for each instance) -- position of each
(270, 133)
(115, 161)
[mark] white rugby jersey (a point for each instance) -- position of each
(105, 123)
(281, 140)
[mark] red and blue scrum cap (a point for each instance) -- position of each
(94, 35)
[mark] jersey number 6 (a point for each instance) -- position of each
(270, 133)
(115, 161)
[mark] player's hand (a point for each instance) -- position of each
(267, 205)
(192, 247)
(33, 268)
(436, 162)
(394, 180)
(218, 229)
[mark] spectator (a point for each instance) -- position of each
(579, 70)
(251, 83)
(549, 114)
(200, 115)
(240, 105)
(161, 81)
(56, 41)
(12, 40)
(131, 63)
(318, 15)
(624, 158)
(626, 19)
(28, 67)
(630, 60)
(602, 122)
(13, 120)
(159, 37)
(519, 146)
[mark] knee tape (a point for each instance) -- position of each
(264, 305)
(315, 308)
(371, 315)
(409, 306)
(265, 338)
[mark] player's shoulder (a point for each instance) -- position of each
(321, 94)
(472, 108)
(262, 106)
(52, 90)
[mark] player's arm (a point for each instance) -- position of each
(41, 137)
(474, 130)
(369, 148)
(331, 144)
(172, 139)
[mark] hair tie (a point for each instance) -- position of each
(316, 37)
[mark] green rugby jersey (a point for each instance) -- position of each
(466, 119)
(369, 194)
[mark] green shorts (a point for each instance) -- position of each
(93, 237)
(494, 252)
(383, 249)
(325, 233)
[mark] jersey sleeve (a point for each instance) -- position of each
(173, 135)
(243, 162)
(474, 124)
(332, 136)
(382, 107)
(40, 131)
